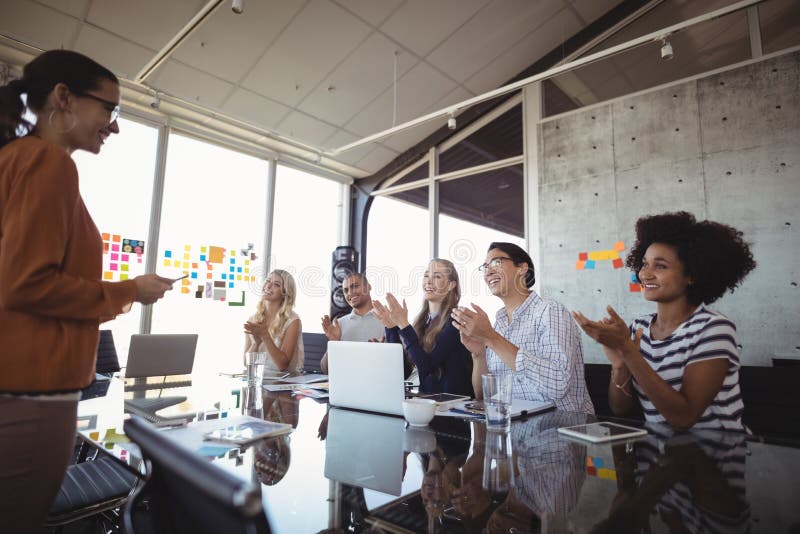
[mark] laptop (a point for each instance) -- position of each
(365, 450)
(366, 376)
(160, 355)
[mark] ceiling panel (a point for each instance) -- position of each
(150, 23)
(590, 10)
(490, 33)
(416, 91)
(376, 159)
(123, 57)
(420, 25)
(353, 85)
(341, 138)
(76, 8)
(372, 12)
(228, 45)
(304, 128)
(255, 109)
(37, 25)
(320, 37)
(525, 52)
(190, 84)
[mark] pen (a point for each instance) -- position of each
(181, 278)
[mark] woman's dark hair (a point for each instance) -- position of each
(713, 254)
(518, 256)
(78, 72)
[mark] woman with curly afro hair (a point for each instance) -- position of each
(682, 362)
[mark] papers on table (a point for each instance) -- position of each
(519, 408)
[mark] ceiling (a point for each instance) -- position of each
(318, 71)
(323, 72)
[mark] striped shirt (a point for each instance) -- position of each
(550, 356)
(727, 451)
(705, 335)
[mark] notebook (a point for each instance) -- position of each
(160, 355)
(366, 376)
(364, 449)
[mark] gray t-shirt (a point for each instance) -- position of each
(360, 327)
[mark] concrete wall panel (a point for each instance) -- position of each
(752, 106)
(577, 145)
(656, 127)
(743, 171)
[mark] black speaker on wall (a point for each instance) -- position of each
(344, 262)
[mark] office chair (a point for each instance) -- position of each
(96, 487)
(107, 359)
(184, 493)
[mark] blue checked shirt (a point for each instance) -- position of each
(550, 356)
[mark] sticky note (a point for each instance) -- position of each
(591, 471)
(203, 249)
(247, 262)
(194, 276)
(215, 254)
(619, 246)
(595, 256)
(589, 461)
(208, 276)
(583, 256)
(238, 269)
(186, 256)
(94, 436)
(116, 238)
(184, 290)
(230, 285)
(114, 256)
(233, 268)
(194, 265)
(579, 265)
(108, 275)
(113, 266)
(589, 264)
(124, 267)
(115, 248)
(238, 276)
(105, 247)
(106, 236)
(202, 257)
(224, 276)
(167, 253)
(185, 265)
(123, 276)
(598, 462)
(187, 247)
(125, 257)
(635, 288)
(617, 263)
(233, 260)
(167, 263)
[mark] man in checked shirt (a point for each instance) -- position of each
(533, 339)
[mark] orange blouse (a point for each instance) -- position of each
(51, 297)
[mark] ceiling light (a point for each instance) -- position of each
(666, 50)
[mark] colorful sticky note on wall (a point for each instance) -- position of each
(216, 254)
(617, 263)
(589, 264)
(619, 246)
(583, 256)
(580, 265)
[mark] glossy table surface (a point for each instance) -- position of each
(342, 470)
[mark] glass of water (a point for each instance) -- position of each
(255, 367)
(497, 401)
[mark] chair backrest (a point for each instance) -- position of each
(315, 346)
(107, 360)
(188, 494)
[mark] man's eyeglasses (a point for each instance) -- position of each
(493, 263)
(111, 107)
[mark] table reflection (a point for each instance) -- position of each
(694, 481)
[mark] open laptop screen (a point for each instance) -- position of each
(160, 355)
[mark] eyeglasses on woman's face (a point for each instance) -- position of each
(111, 107)
(494, 263)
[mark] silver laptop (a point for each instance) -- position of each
(160, 355)
(365, 450)
(366, 376)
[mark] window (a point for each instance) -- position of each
(397, 245)
(117, 187)
(473, 212)
(305, 233)
(213, 229)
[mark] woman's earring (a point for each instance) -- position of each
(66, 130)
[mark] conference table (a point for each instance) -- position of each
(341, 470)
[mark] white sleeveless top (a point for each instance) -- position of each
(297, 358)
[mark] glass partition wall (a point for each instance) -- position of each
(479, 198)
(209, 210)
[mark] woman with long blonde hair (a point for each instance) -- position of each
(443, 363)
(275, 328)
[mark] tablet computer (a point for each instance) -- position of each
(247, 431)
(600, 432)
(443, 400)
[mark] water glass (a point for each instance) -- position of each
(255, 367)
(497, 401)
